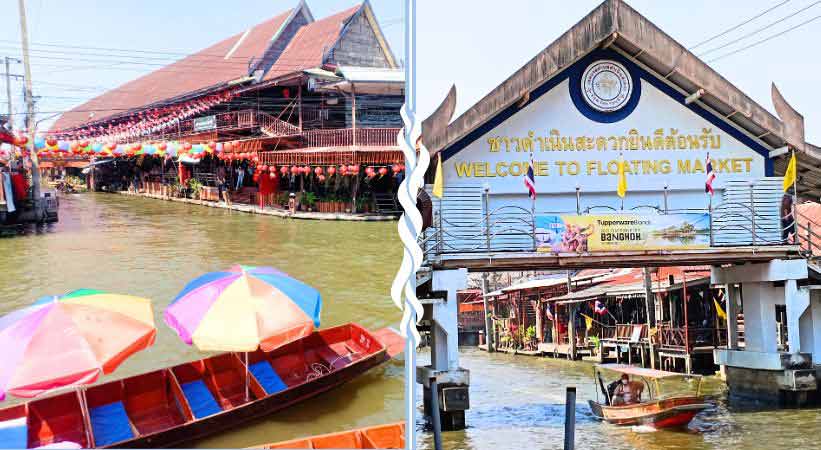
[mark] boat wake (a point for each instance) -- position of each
(643, 429)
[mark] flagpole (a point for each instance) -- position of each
(795, 200)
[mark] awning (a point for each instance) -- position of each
(642, 372)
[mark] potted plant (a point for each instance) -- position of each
(195, 188)
(310, 200)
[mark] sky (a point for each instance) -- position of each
(175, 27)
(477, 44)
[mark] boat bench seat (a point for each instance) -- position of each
(14, 433)
(110, 424)
(200, 399)
(267, 377)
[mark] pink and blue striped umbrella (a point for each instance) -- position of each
(243, 309)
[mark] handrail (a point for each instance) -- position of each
(513, 228)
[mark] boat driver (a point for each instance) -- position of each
(626, 392)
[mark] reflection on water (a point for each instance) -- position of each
(152, 248)
(517, 402)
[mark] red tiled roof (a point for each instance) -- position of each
(206, 68)
(311, 42)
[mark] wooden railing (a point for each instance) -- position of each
(347, 137)
(681, 338)
(276, 127)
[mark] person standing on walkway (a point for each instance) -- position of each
(222, 185)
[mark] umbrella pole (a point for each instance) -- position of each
(81, 393)
(247, 397)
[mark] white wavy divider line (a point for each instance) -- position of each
(410, 226)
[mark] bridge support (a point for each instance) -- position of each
(451, 380)
(766, 370)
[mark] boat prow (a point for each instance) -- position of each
(392, 340)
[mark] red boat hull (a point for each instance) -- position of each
(668, 413)
(160, 415)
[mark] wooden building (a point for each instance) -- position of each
(293, 91)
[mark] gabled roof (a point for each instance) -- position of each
(308, 48)
(222, 62)
(617, 26)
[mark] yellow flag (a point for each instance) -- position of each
(439, 180)
(719, 310)
(588, 322)
(789, 175)
(621, 190)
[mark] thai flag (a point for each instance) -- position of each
(549, 314)
(530, 180)
(708, 185)
(599, 308)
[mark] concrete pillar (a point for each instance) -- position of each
(733, 297)
(797, 301)
(445, 335)
(451, 380)
(759, 316)
(815, 315)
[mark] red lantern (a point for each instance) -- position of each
(51, 142)
(306, 170)
(272, 175)
(370, 172)
(137, 147)
(162, 146)
(21, 140)
(343, 170)
(318, 171)
(295, 170)
(256, 178)
(186, 146)
(383, 171)
(283, 170)
(353, 169)
(212, 144)
(84, 144)
(255, 159)
(331, 170)
(263, 168)
(396, 168)
(321, 178)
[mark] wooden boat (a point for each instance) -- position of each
(179, 404)
(391, 435)
(657, 411)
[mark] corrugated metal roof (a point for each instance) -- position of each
(307, 49)
(222, 62)
(372, 74)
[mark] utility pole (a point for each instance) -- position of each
(9, 77)
(30, 125)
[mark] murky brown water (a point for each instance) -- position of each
(517, 402)
(153, 248)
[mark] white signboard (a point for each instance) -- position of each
(662, 142)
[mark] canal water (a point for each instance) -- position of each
(152, 248)
(517, 402)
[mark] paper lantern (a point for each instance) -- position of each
(272, 175)
(21, 140)
(395, 168)
(263, 168)
(353, 169)
(186, 146)
(136, 147)
(331, 170)
(321, 178)
(343, 170)
(162, 146)
(318, 171)
(227, 146)
(294, 170)
(256, 178)
(255, 159)
(306, 170)
(51, 142)
(283, 170)
(383, 171)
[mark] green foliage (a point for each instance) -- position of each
(530, 333)
(195, 186)
(309, 199)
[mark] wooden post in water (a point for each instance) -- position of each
(489, 337)
(570, 418)
(648, 294)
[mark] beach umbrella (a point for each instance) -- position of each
(244, 309)
(71, 340)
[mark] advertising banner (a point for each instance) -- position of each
(622, 232)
